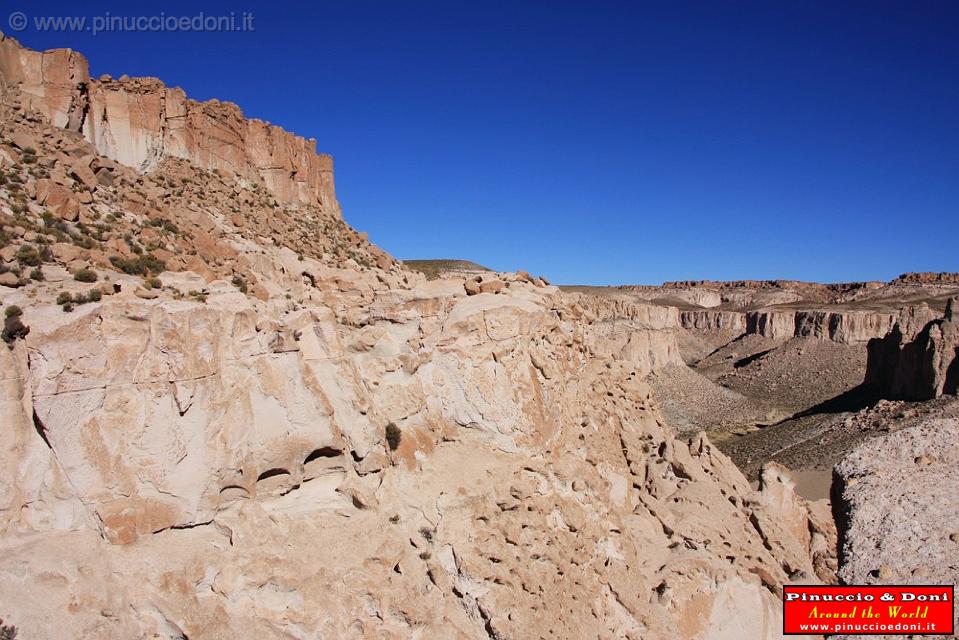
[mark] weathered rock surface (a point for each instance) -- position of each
(194, 438)
(844, 326)
(140, 121)
(919, 358)
(220, 456)
(896, 507)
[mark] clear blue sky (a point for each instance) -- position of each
(600, 142)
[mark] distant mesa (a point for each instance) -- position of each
(437, 268)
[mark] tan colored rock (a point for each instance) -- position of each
(105, 177)
(472, 285)
(492, 286)
(23, 140)
(197, 265)
(49, 80)
(65, 252)
(893, 513)
(919, 358)
(139, 121)
(9, 280)
(82, 172)
(60, 200)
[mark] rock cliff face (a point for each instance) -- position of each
(197, 424)
(846, 327)
(919, 358)
(710, 321)
(140, 121)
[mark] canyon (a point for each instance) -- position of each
(227, 414)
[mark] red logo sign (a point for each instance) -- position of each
(872, 610)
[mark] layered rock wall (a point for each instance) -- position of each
(846, 327)
(771, 324)
(709, 321)
(140, 121)
(919, 358)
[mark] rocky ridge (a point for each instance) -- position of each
(258, 404)
(139, 121)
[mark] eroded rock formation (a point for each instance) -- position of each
(140, 121)
(195, 438)
(239, 445)
(919, 358)
(895, 500)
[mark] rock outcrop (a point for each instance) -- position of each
(220, 456)
(776, 325)
(919, 358)
(895, 502)
(747, 295)
(218, 406)
(714, 321)
(140, 121)
(844, 326)
(847, 327)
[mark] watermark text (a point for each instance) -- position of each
(159, 23)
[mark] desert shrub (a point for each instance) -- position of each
(69, 302)
(239, 283)
(7, 632)
(85, 242)
(165, 224)
(85, 275)
(393, 436)
(28, 256)
(139, 266)
(13, 327)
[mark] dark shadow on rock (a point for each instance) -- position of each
(859, 397)
(952, 376)
(742, 362)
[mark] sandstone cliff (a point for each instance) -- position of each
(195, 438)
(844, 326)
(140, 121)
(919, 358)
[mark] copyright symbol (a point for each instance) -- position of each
(17, 21)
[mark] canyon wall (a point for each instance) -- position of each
(139, 121)
(846, 327)
(919, 358)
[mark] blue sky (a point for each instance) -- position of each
(600, 142)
